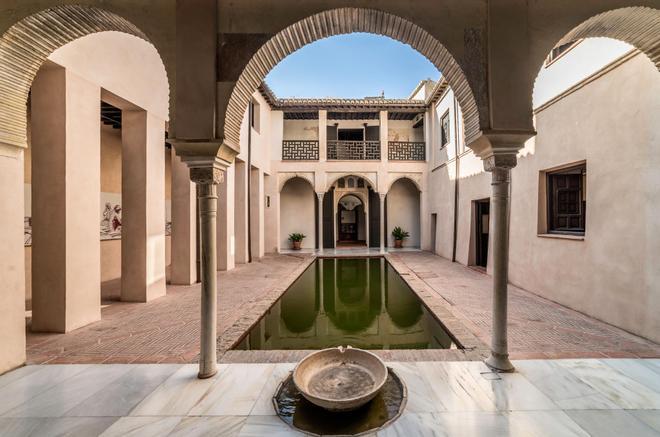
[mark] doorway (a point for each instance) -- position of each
(434, 228)
(350, 221)
(481, 229)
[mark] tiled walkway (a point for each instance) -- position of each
(165, 330)
(538, 328)
(544, 398)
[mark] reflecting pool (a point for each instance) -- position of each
(362, 302)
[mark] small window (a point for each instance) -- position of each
(341, 183)
(444, 130)
(360, 183)
(567, 205)
(559, 51)
(255, 111)
(351, 183)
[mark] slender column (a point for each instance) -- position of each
(184, 225)
(143, 206)
(501, 176)
(207, 180)
(320, 220)
(66, 180)
(382, 221)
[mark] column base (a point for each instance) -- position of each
(208, 375)
(499, 363)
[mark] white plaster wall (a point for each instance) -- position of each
(120, 63)
(403, 210)
(402, 130)
(301, 130)
(297, 203)
(584, 59)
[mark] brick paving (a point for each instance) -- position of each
(165, 330)
(537, 328)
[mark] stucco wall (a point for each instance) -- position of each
(403, 210)
(297, 203)
(402, 130)
(301, 130)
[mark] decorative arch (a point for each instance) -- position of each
(354, 194)
(636, 25)
(413, 177)
(336, 177)
(286, 177)
(339, 22)
(27, 44)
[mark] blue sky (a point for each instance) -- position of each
(353, 65)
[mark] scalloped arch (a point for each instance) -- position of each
(338, 22)
(27, 44)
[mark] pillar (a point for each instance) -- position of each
(323, 135)
(383, 238)
(257, 213)
(383, 136)
(143, 206)
(320, 220)
(500, 168)
(240, 212)
(184, 225)
(66, 185)
(12, 258)
(226, 221)
(207, 180)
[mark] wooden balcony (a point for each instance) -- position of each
(406, 151)
(353, 150)
(300, 150)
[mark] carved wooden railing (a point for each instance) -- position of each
(406, 151)
(353, 150)
(300, 150)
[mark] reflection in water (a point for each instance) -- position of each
(359, 302)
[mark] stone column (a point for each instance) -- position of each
(240, 212)
(383, 136)
(226, 221)
(320, 220)
(12, 258)
(323, 135)
(184, 225)
(500, 168)
(207, 180)
(143, 206)
(382, 222)
(66, 185)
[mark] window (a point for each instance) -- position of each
(341, 183)
(444, 130)
(350, 134)
(566, 195)
(559, 51)
(255, 115)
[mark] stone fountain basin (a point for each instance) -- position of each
(340, 379)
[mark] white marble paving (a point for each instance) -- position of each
(543, 398)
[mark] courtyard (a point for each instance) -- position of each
(386, 218)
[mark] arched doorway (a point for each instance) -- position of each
(351, 221)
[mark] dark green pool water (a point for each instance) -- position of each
(360, 302)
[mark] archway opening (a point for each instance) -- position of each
(298, 213)
(403, 211)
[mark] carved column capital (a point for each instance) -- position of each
(320, 196)
(500, 161)
(207, 175)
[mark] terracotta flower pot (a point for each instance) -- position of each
(296, 245)
(398, 244)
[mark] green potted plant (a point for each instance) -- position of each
(399, 235)
(296, 239)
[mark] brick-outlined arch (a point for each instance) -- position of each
(27, 44)
(636, 25)
(340, 22)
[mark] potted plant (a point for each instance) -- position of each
(296, 239)
(399, 235)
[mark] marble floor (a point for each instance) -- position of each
(577, 397)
